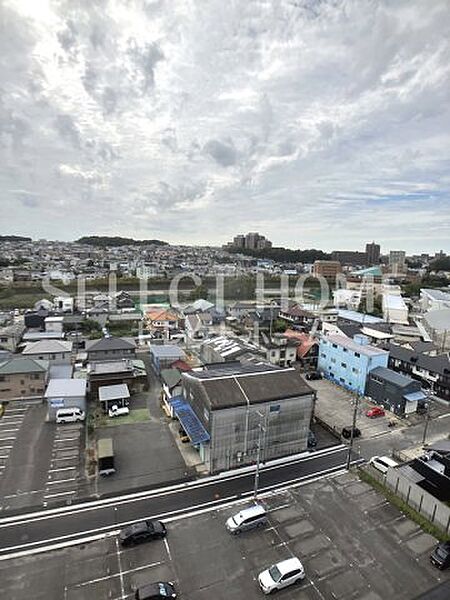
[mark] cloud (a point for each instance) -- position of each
(320, 123)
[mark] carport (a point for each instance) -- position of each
(113, 395)
(189, 421)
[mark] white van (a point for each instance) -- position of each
(382, 463)
(248, 518)
(70, 415)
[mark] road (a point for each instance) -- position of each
(39, 531)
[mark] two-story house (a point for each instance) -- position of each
(22, 378)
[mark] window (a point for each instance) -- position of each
(345, 350)
(2, 378)
(333, 360)
(344, 365)
(342, 380)
(323, 355)
(275, 408)
(354, 370)
(357, 354)
(334, 345)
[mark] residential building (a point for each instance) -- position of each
(250, 241)
(395, 392)
(161, 319)
(350, 257)
(148, 271)
(298, 316)
(397, 262)
(228, 349)
(307, 348)
(237, 408)
(280, 349)
(347, 361)
(113, 395)
(36, 319)
(130, 372)
(110, 348)
(163, 356)
(373, 254)
(420, 362)
(329, 269)
(54, 324)
(434, 299)
(394, 309)
(437, 325)
(55, 351)
(10, 336)
(64, 304)
(22, 378)
(65, 393)
(171, 387)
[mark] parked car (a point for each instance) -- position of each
(118, 411)
(313, 375)
(183, 435)
(312, 440)
(248, 518)
(281, 575)
(347, 432)
(382, 463)
(70, 415)
(144, 531)
(375, 411)
(153, 591)
(440, 557)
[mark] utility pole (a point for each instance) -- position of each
(427, 419)
(258, 457)
(350, 446)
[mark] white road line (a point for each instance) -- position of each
(106, 577)
(444, 416)
(55, 482)
(137, 496)
(7, 439)
(166, 544)
(9, 430)
(119, 561)
(62, 469)
(60, 494)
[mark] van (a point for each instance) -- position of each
(70, 415)
(382, 463)
(249, 518)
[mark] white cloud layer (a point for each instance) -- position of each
(318, 123)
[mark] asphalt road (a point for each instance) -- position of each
(37, 531)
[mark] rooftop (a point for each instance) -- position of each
(357, 317)
(23, 365)
(392, 376)
(110, 343)
(47, 347)
(351, 344)
(64, 388)
(113, 392)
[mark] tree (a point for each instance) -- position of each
(199, 293)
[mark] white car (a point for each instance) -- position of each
(118, 411)
(281, 575)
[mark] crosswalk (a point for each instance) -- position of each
(10, 425)
(64, 469)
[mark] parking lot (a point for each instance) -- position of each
(352, 543)
(40, 462)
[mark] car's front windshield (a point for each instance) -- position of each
(274, 572)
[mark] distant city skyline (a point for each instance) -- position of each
(320, 124)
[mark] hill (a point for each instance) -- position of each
(103, 241)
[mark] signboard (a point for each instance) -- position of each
(57, 402)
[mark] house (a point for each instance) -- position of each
(298, 316)
(130, 372)
(228, 349)
(113, 395)
(229, 410)
(10, 336)
(395, 392)
(239, 309)
(347, 361)
(54, 324)
(22, 378)
(197, 325)
(280, 349)
(198, 306)
(161, 319)
(65, 304)
(437, 325)
(36, 319)
(163, 356)
(307, 348)
(56, 351)
(415, 361)
(110, 348)
(171, 387)
(65, 393)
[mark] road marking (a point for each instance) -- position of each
(175, 515)
(55, 482)
(166, 544)
(60, 494)
(7, 439)
(444, 416)
(119, 562)
(9, 430)
(137, 496)
(62, 469)
(127, 572)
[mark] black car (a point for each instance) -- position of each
(152, 591)
(347, 432)
(313, 376)
(143, 531)
(440, 556)
(312, 440)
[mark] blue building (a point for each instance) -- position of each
(347, 361)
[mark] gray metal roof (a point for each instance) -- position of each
(113, 392)
(392, 376)
(64, 388)
(109, 343)
(47, 347)
(167, 351)
(23, 365)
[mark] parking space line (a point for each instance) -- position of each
(61, 469)
(119, 561)
(9, 430)
(7, 439)
(61, 481)
(166, 544)
(127, 572)
(60, 494)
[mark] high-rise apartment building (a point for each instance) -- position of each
(373, 254)
(397, 263)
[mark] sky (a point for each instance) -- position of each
(319, 124)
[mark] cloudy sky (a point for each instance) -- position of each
(318, 123)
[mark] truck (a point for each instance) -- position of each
(105, 457)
